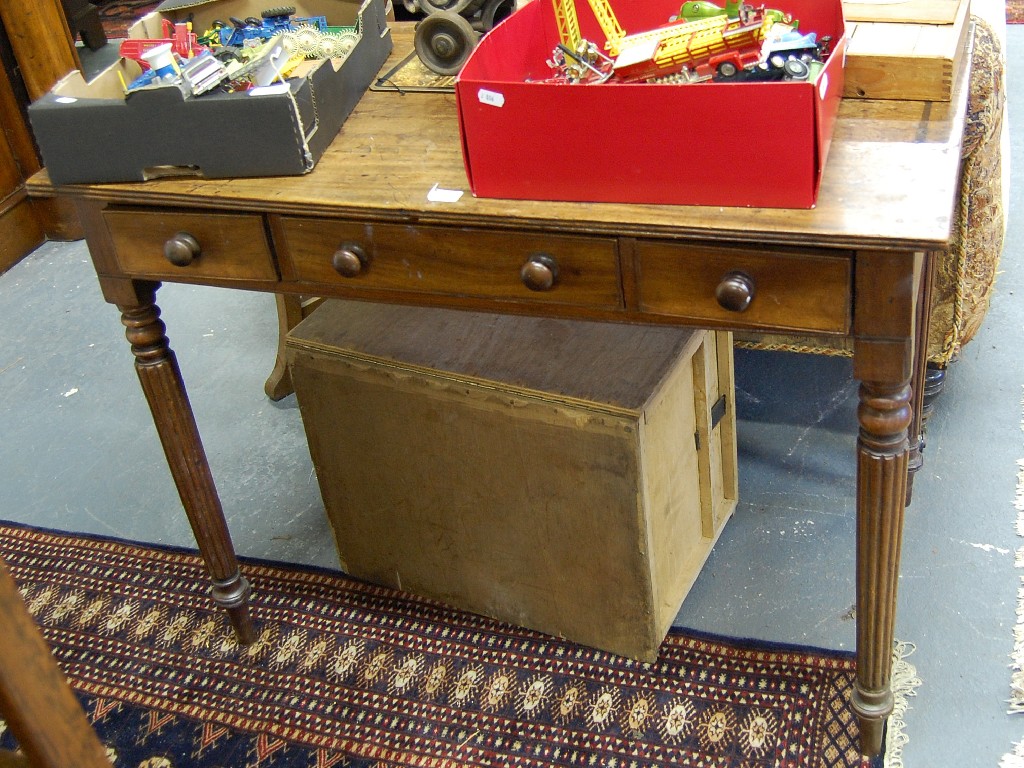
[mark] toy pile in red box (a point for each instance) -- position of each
(651, 102)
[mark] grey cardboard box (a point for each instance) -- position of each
(89, 132)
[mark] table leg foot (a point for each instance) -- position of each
(233, 596)
(873, 709)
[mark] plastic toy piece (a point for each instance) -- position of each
(575, 59)
(161, 60)
(702, 9)
(336, 45)
(203, 73)
(792, 43)
(279, 13)
(159, 68)
(705, 47)
(775, 68)
(183, 42)
(307, 36)
(585, 63)
(275, 21)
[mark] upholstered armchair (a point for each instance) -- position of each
(965, 278)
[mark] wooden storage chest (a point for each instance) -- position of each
(910, 50)
(565, 476)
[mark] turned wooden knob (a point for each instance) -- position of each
(350, 260)
(540, 272)
(182, 249)
(735, 291)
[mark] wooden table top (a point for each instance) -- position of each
(890, 180)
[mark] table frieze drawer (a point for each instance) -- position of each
(453, 261)
(191, 245)
(745, 289)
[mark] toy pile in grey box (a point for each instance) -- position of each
(200, 92)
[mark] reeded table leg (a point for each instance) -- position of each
(883, 451)
(165, 391)
(890, 330)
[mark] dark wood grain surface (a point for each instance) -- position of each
(890, 179)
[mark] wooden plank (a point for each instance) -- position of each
(41, 42)
(920, 62)
(20, 232)
(906, 11)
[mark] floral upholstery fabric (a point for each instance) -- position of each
(965, 277)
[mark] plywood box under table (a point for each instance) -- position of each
(566, 476)
(910, 51)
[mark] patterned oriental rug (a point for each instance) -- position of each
(348, 674)
(117, 15)
(1015, 11)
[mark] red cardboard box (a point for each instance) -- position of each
(729, 144)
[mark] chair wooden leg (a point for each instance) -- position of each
(35, 699)
(934, 383)
(291, 310)
(83, 19)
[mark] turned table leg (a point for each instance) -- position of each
(890, 330)
(883, 450)
(161, 381)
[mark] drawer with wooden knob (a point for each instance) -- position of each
(451, 261)
(745, 288)
(191, 245)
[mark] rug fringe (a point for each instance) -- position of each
(1017, 678)
(1018, 502)
(1014, 759)
(904, 684)
(1017, 665)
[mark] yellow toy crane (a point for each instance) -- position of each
(616, 37)
(568, 23)
(613, 31)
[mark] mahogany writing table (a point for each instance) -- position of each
(360, 226)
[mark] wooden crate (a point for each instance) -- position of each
(911, 50)
(570, 477)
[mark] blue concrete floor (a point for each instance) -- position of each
(79, 453)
